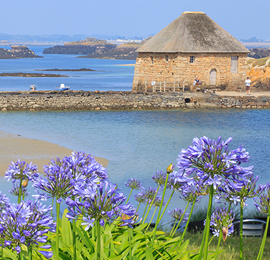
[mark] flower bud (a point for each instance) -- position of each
(170, 168)
(224, 233)
(25, 182)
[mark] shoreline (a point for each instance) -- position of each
(128, 100)
(14, 147)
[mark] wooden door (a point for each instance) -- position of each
(213, 77)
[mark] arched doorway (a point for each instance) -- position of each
(213, 77)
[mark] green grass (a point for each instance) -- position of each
(231, 246)
(258, 62)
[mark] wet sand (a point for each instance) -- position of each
(14, 147)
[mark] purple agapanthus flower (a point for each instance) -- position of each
(15, 190)
(262, 201)
(211, 163)
(21, 171)
(222, 222)
(133, 184)
(62, 175)
(26, 223)
(235, 192)
(177, 214)
(4, 201)
(102, 203)
(159, 177)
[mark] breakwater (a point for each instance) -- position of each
(125, 100)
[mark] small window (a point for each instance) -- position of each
(191, 59)
(166, 57)
(152, 60)
(234, 64)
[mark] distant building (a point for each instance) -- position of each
(191, 46)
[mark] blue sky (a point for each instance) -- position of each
(241, 18)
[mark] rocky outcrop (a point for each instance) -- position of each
(126, 51)
(79, 49)
(17, 52)
(99, 49)
(112, 100)
(259, 73)
(258, 53)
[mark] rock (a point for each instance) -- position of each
(17, 52)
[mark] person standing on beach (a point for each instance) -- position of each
(248, 81)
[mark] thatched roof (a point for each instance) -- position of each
(193, 32)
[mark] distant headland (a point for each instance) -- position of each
(100, 49)
(17, 52)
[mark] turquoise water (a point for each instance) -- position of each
(138, 143)
(108, 74)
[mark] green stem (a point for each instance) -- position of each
(166, 206)
(159, 211)
(74, 240)
(129, 241)
(138, 207)
(173, 227)
(207, 226)
(241, 229)
(30, 253)
(98, 240)
(144, 211)
(129, 196)
(57, 229)
(151, 218)
(219, 240)
(186, 227)
(260, 255)
(181, 219)
(52, 206)
(20, 193)
(152, 202)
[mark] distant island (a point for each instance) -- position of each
(100, 49)
(17, 52)
(21, 74)
(82, 69)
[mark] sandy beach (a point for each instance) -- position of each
(14, 147)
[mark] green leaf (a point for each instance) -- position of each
(148, 253)
(66, 233)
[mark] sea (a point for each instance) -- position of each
(136, 143)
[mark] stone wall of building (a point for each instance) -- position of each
(173, 67)
(84, 100)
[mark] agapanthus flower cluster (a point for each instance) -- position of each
(100, 202)
(63, 174)
(262, 201)
(26, 223)
(177, 214)
(21, 171)
(211, 163)
(146, 196)
(178, 179)
(157, 201)
(190, 193)
(133, 184)
(159, 177)
(4, 201)
(222, 222)
(234, 193)
(84, 165)
(15, 190)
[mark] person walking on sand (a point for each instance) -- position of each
(248, 81)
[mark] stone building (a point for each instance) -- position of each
(191, 46)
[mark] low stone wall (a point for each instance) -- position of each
(86, 100)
